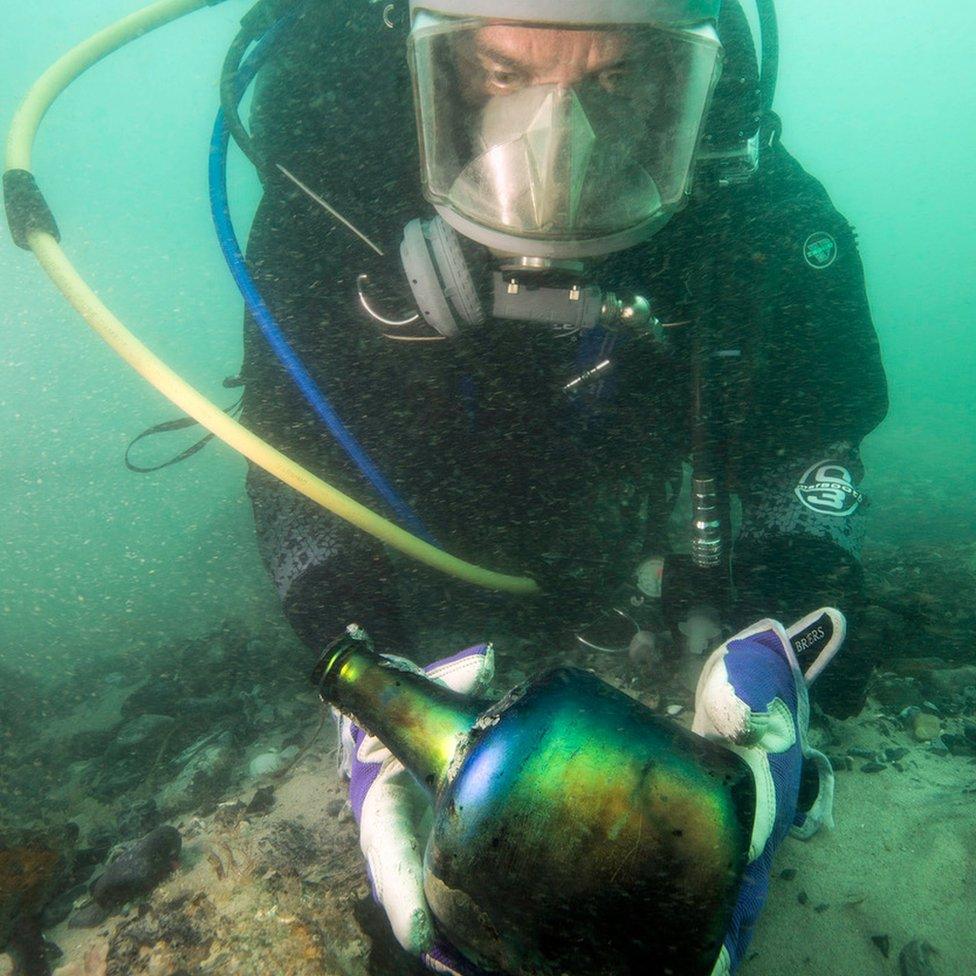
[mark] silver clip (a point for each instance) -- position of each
(363, 279)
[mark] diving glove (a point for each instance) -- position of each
(394, 817)
(752, 695)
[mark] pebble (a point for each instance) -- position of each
(643, 650)
(938, 747)
(334, 807)
(262, 801)
(916, 959)
(873, 767)
(271, 762)
(926, 727)
(60, 908)
(788, 874)
(138, 819)
(883, 943)
(673, 710)
(88, 916)
(802, 897)
(139, 869)
(206, 772)
(146, 729)
(950, 681)
(896, 693)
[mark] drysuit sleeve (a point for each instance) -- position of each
(824, 389)
(327, 574)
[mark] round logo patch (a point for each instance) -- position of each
(820, 250)
(828, 489)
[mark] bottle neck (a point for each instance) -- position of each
(422, 723)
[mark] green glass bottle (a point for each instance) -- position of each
(574, 831)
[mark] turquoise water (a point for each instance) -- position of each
(873, 105)
(96, 562)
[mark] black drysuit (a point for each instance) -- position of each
(479, 435)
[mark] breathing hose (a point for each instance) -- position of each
(33, 227)
(769, 32)
(258, 308)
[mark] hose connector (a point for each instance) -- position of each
(706, 524)
(631, 313)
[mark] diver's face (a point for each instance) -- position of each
(502, 59)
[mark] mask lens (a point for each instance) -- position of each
(559, 134)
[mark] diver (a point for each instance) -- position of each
(528, 407)
(577, 285)
(556, 267)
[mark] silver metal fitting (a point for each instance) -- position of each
(706, 524)
(633, 315)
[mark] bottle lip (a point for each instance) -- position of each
(327, 666)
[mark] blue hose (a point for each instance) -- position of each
(262, 315)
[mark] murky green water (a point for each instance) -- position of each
(97, 564)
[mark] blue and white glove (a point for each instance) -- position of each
(394, 813)
(752, 696)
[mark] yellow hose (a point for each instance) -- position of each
(54, 261)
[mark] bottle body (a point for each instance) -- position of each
(581, 834)
(576, 833)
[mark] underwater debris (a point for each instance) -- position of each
(883, 944)
(926, 727)
(139, 869)
(33, 867)
(916, 959)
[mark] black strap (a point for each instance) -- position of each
(170, 425)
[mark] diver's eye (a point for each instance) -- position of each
(505, 79)
(618, 79)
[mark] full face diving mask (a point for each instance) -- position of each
(550, 141)
(559, 140)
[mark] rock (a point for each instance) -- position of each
(643, 650)
(89, 743)
(958, 745)
(266, 716)
(938, 747)
(862, 753)
(142, 737)
(916, 959)
(883, 943)
(88, 916)
(893, 755)
(788, 874)
(34, 866)
(138, 819)
(840, 764)
(949, 682)
(264, 764)
(61, 907)
(926, 727)
(262, 802)
(229, 814)
(139, 869)
(162, 696)
(271, 762)
(207, 771)
(895, 693)
(873, 767)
